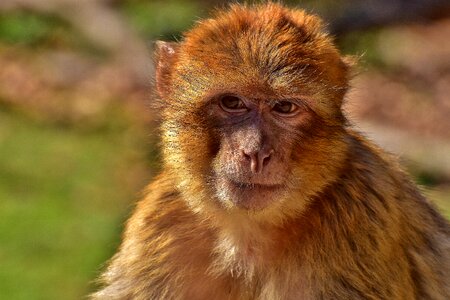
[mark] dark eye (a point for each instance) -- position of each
(232, 104)
(285, 108)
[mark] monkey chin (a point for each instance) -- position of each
(248, 196)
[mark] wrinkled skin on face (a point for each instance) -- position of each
(251, 113)
(258, 137)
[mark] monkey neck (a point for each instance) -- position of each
(244, 246)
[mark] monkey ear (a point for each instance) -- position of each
(166, 53)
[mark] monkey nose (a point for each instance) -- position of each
(258, 159)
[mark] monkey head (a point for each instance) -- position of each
(252, 119)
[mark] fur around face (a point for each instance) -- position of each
(351, 225)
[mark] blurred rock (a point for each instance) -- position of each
(102, 25)
(412, 93)
(66, 87)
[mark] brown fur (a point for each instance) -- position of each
(351, 225)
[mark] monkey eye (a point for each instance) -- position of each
(233, 104)
(285, 108)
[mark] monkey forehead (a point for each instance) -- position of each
(267, 41)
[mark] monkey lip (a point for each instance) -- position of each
(247, 195)
(254, 186)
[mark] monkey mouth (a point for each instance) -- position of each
(248, 195)
(254, 186)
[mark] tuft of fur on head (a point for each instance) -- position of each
(264, 48)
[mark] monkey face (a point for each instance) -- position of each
(245, 146)
(252, 117)
(252, 168)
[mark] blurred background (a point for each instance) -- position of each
(78, 140)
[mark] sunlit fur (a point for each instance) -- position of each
(349, 223)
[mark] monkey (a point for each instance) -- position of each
(267, 191)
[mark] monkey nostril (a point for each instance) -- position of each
(266, 158)
(246, 156)
(252, 159)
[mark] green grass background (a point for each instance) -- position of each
(64, 195)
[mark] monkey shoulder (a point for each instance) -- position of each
(387, 224)
(164, 243)
(374, 180)
(163, 222)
